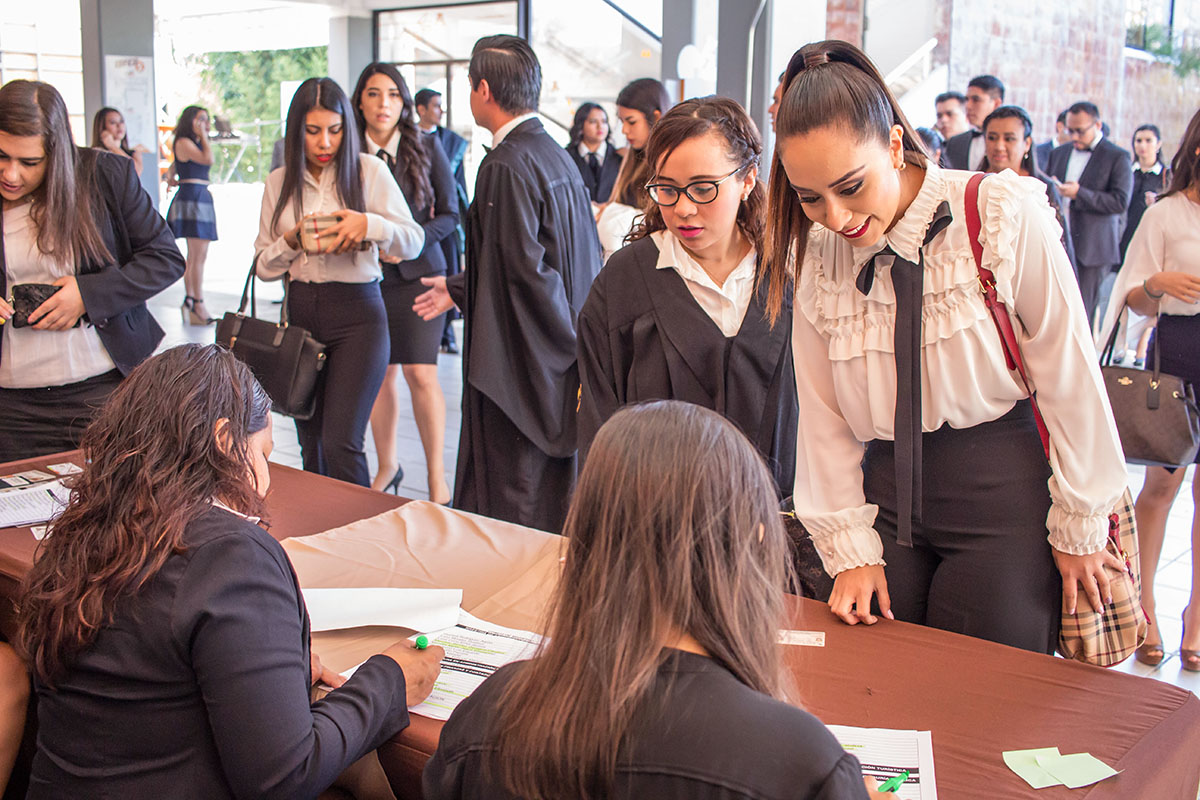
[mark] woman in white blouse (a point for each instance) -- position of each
(334, 291)
(1161, 276)
(944, 519)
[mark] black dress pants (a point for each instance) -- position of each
(350, 320)
(37, 422)
(980, 563)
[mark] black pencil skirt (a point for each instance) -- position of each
(1176, 339)
(412, 339)
(980, 563)
(37, 422)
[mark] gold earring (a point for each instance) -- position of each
(903, 164)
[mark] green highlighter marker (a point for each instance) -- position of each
(423, 642)
(891, 784)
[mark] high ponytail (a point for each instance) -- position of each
(830, 83)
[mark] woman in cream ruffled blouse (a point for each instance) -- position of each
(886, 279)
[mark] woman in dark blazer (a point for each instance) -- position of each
(387, 120)
(592, 150)
(77, 219)
(165, 627)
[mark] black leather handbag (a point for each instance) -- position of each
(1157, 417)
(284, 358)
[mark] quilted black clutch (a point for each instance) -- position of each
(26, 297)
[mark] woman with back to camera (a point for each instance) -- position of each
(591, 148)
(191, 214)
(660, 675)
(640, 105)
(334, 287)
(896, 352)
(1161, 277)
(1008, 144)
(678, 314)
(386, 119)
(108, 133)
(78, 219)
(165, 628)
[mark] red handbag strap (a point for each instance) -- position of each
(1000, 315)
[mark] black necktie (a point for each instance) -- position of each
(387, 158)
(908, 281)
(594, 166)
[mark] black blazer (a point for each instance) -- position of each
(956, 152)
(600, 190)
(1041, 154)
(145, 260)
(199, 687)
(642, 336)
(1097, 214)
(1142, 182)
(439, 219)
(710, 737)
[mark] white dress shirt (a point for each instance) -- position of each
(392, 148)
(976, 152)
(507, 127)
(1166, 240)
(1078, 160)
(600, 152)
(725, 304)
(390, 227)
(33, 359)
(846, 374)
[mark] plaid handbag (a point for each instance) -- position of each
(1102, 637)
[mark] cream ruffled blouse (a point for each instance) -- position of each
(846, 373)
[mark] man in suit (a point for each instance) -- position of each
(532, 253)
(951, 109)
(985, 93)
(1041, 153)
(428, 103)
(1095, 179)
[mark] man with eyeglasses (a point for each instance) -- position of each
(1095, 180)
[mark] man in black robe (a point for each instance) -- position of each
(532, 253)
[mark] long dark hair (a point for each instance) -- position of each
(1185, 166)
(323, 93)
(98, 124)
(581, 115)
(697, 117)
(1028, 162)
(152, 465)
(830, 83)
(674, 528)
(64, 204)
(184, 129)
(647, 96)
(411, 154)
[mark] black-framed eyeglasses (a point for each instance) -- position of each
(699, 192)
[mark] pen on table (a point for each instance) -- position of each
(893, 783)
(422, 642)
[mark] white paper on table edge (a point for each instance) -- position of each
(416, 609)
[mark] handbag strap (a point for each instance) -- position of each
(249, 295)
(1000, 315)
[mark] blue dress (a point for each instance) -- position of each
(191, 215)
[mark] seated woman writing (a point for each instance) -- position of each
(166, 630)
(660, 675)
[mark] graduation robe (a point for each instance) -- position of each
(532, 253)
(642, 336)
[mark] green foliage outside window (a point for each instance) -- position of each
(1157, 40)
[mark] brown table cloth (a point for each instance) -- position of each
(978, 698)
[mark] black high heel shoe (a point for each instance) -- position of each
(190, 316)
(394, 484)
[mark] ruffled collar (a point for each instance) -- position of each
(907, 236)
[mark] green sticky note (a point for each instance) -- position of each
(1077, 769)
(1025, 764)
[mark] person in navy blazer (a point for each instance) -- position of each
(985, 93)
(77, 218)
(1095, 177)
(590, 137)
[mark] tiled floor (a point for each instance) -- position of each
(228, 263)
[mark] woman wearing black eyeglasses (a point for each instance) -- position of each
(676, 314)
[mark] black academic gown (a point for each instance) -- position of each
(532, 253)
(642, 336)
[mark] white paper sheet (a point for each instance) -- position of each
(32, 505)
(418, 609)
(884, 752)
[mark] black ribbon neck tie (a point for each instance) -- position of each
(387, 158)
(908, 282)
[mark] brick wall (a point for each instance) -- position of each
(844, 20)
(1154, 93)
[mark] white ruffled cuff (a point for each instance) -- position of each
(846, 539)
(1074, 533)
